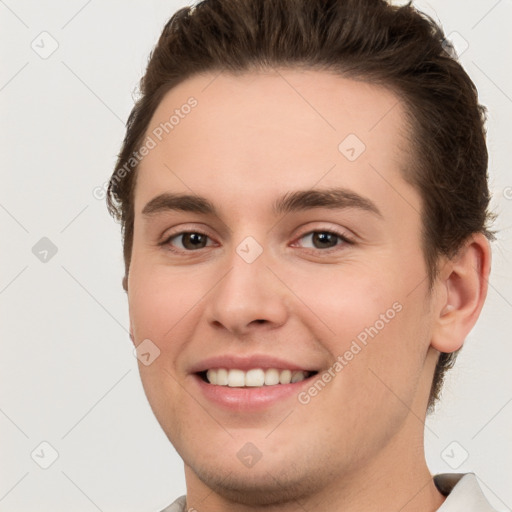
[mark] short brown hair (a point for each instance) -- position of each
(397, 47)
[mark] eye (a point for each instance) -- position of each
(188, 241)
(323, 240)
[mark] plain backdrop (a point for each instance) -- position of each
(68, 377)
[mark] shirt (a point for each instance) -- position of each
(463, 493)
(462, 490)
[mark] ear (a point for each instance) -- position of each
(125, 286)
(462, 288)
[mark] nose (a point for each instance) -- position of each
(249, 297)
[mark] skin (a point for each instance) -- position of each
(358, 444)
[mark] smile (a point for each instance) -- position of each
(255, 377)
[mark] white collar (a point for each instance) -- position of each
(463, 493)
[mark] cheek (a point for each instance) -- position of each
(375, 325)
(159, 301)
(347, 300)
(161, 308)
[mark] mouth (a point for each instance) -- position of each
(250, 382)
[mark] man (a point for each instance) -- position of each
(303, 195)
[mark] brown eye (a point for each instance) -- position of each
(322, 240)
(189, 241)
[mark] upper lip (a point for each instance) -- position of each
(232, 361)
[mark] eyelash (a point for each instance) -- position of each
(343, 238)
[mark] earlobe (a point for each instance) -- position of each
(464, 281)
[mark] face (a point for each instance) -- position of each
(275, 238)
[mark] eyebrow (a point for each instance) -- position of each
(332, 198)
(184, 202)
(299, 200)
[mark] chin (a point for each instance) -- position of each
(263, 486)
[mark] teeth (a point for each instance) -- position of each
(222, 377)
(211, 375)
(298, 376)
(254, 378)
(285, 377)
(236, 378)
(271, 377)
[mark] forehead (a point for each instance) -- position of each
(272, 130)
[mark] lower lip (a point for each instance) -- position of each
(247, 398)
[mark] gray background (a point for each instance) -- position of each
(68, 376)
